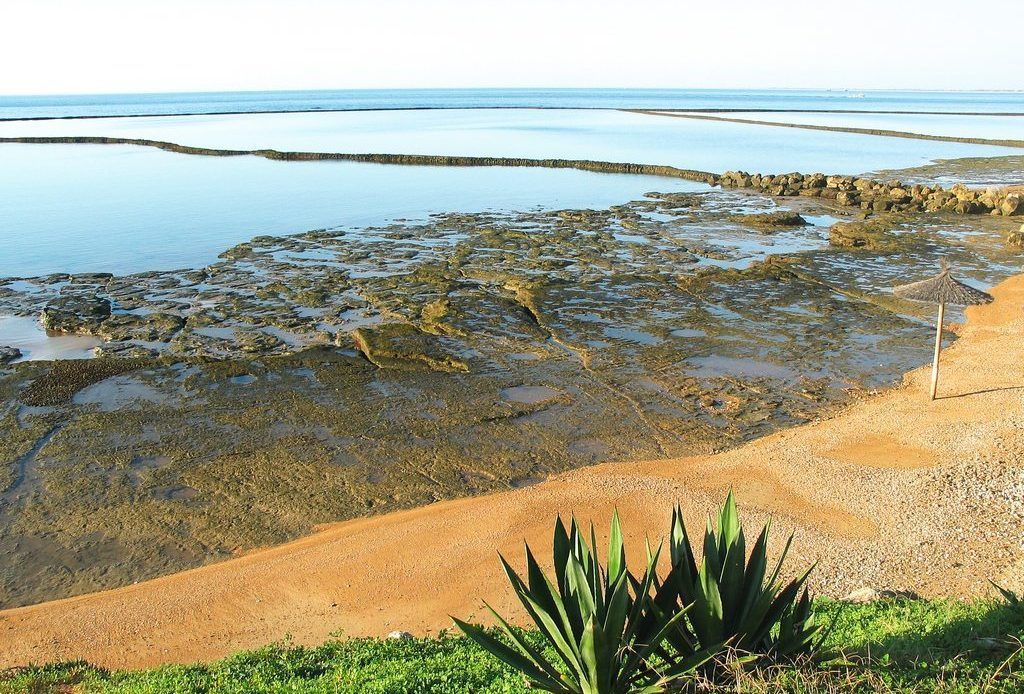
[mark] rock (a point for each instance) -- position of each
(1011, 205)
(772, 220)
(155, 327)
(816, 180)
(125, 350)
(1016, 238)
(847, 198)
(869, 235)
(839, 182)
(868, 594)
(258, 342)
(400, 636)
(987, 643)
(963, 193)
(9, 354)
(75, 313)
(861, 595)
(403, 346)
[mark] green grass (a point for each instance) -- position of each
(891, 645)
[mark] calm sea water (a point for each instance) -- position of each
(121, 209)
(993, 127)
(250, 102)
(73, 208)
(606, 135)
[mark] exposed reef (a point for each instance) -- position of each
(335, 373)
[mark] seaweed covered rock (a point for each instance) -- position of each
(75, 313)
(770, 221)
(258, 342)
(403, 346)
(154, 327)
(870, 235)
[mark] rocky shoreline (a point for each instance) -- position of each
(339, 373)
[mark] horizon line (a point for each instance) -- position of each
(513, 89)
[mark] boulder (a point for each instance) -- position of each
(1011, 205)
(8, 354)
(869, 235)
(772, 220)
(963, 193)
(816, 180)
(839, 182)
(75, 313)
(847, 197)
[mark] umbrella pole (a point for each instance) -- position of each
(938, 348)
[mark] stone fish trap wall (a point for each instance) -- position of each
(851, 191)
(890, 196)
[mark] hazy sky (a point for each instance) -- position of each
(76, 46)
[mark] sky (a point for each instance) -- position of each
(109, 46)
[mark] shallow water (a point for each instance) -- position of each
(604, 135)
(27, 334)
(121, 209)
(529, 395)
(118, 392)
(991, 127)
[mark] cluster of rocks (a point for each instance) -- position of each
(880, 196)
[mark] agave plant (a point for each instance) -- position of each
(602, 623)
(734, 599)
(1011, 598)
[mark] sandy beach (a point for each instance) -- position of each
(894, 492)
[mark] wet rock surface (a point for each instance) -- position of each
(75, 313)
(336, 373)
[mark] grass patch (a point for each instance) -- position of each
(887, 646)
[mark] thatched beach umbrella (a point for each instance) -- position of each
(942, 289)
